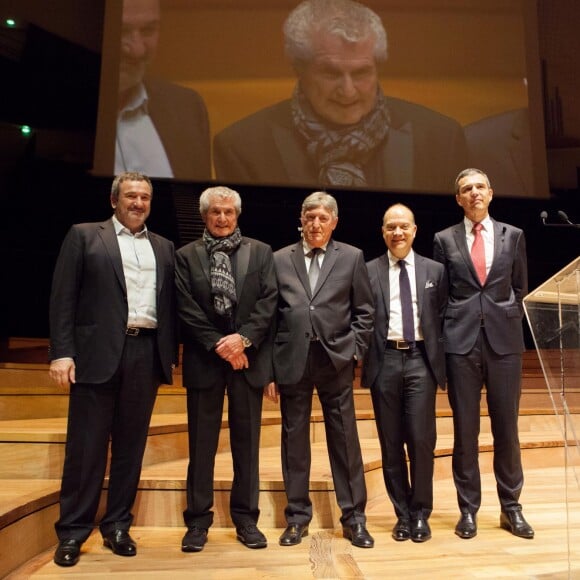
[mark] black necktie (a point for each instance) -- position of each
(406, 304)
(314, 269)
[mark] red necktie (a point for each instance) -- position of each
(478, 253)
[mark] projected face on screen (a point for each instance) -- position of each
(305, 96)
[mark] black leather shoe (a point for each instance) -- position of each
(293, 534)
(67, 553)
(121, 543)
(402, 530)
(466, 526)
(194, 540)
(420, 530)
(358, 536)
(251, 536)
(514, 522)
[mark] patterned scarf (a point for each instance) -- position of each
(223, 285)
(341, 153)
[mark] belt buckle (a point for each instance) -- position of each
(402, 345)
(132, 331)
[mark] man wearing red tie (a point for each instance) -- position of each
(487, 273)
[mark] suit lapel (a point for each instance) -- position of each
(292, 153)
(203, 258)
(461, 242)
(420, 280)
(297, 258)
(397, 157)
(498, 242)
(383, 275)
(109, 237)
(154, 241)
(242, 262)
(330, 257)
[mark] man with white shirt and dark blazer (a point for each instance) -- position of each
(113, 338)
(486, 268)
(404, 365)
(324, 323)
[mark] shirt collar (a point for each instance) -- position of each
(121, 229)
(409, 258)
(307, 248)
(485, 222)
(138, 100)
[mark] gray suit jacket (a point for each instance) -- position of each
(431, 284)
(498, 302)
(340, 311)
(88, 303)
(202, 327)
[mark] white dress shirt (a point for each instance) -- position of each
(486, 233)
(138, 146)
(395, 330)
(139, 267)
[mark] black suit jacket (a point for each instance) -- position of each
(202, 327)
(180, 117)
(424, 150)
(431, 284)
(340, 311)
(88, 304)
(498, 302)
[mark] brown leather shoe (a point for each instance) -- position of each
(293, 534)
(358, 536)
(67, 553)
(514, 522)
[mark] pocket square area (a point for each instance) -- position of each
(429, 284)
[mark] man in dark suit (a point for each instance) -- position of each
(404, 365)
(162, 128)
(486, 268)
(338, 128)
(113, 336)
(226, 291)
(324, 326)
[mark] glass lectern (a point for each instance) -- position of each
(553, 313)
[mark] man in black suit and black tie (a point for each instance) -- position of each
(113, 337)
(325, 319)
(404, 365)
(226, 292)
(486, 268)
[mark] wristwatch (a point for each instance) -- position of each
(246, 341)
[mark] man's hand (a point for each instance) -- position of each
(62, 372)
(271, 392)
(239, 361)
(230, 346)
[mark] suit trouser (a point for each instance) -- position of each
(501, 375)
(204, 412)
(336, 397)
(404, 403)
(119, 409)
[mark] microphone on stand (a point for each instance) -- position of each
(544, 217)
(565, 219)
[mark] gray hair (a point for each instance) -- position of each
(318, 199)
(221, 192)
(345, 18)
(128, 176)
(470, 171)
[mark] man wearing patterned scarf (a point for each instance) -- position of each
(339, 128)
(227, 296)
